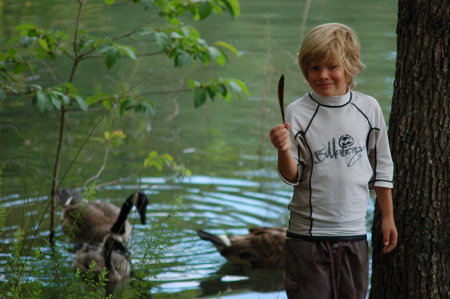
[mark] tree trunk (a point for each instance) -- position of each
(419, 134)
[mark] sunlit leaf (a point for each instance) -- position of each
(242, 86)
(129, 52)
(228, 47)
(175, 35)
(233, 7)
(193, 83)
(222, 59)
(72, 90)
(109, 2)
(26, 26)
(43, 43)
(214, 52)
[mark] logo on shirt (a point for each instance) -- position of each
(344, 148)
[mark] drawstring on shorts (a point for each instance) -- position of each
(335, 251)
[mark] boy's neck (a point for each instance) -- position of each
(333, 100)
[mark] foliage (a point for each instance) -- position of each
(24, 62)
(53, 276)
(153, 249)
(182, 43)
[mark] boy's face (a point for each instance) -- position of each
(327, 78)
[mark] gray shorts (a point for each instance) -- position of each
(324, 270)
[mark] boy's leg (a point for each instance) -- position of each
(307, 270)
(354, 270)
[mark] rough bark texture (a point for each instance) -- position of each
(419, 134)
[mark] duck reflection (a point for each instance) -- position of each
(234, 278)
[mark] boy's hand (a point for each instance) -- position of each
(389, 234)
(279, 136)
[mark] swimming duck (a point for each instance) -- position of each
(262, 247)
(91, 221)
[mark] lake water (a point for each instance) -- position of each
(234, 185)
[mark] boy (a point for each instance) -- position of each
(332, 147)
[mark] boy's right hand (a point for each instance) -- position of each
(279, 136)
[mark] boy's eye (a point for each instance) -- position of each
(314, 68)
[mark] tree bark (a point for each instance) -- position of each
(419, 134)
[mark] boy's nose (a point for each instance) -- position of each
(323, 74)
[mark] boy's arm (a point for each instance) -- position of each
(287, 166)
(384, 199)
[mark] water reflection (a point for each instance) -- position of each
(190, 265)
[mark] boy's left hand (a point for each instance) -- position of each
(389, 235)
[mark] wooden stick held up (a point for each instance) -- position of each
(281, 96)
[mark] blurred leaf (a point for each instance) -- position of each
(161, 39)
(55, 101)
(205, 10)
(129, 52)
(242, 86)
(228, 47)
(233, 7)
(199, 97)
(43, 43)
(82, 103)
(109, 2)
(112, 55)
(43, 102)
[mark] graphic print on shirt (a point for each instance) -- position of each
(343, 148)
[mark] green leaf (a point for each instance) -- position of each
(26, 41)
(129, 52)
(242, 86)
(72, 90)
(109, 2)
(126, 105)
(112, 56)
(236, 9)
(82, 103)
(222, 59)
(55, 101)
(228, 47)
(26, 26)
(205, 10)
(199, 97)
(43, 102)
(43, 44)
(98, 97)
(161, 39)
(182, 59)
(214, 52)
(222, 89)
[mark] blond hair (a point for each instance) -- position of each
(333, 42)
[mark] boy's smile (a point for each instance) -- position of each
(327, 78)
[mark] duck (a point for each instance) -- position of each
(111, 254)
(92, 258)
(91, 221)
(262, 247)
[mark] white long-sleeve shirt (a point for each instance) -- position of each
(341, 147)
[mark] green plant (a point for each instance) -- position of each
(35, 46)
